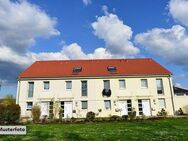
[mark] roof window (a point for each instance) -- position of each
(77, 69)
(111, 68)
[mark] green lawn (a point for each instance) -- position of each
(147, 130)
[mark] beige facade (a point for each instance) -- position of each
(181, 102)
(73, 98)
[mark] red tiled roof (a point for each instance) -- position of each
(97, 67)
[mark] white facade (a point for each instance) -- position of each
(145, 100)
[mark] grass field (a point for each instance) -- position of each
(147, 130)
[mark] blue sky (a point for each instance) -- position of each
(86, 29)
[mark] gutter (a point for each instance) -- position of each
(171, 91)
(18, 93)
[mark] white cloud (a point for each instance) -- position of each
(178, 9)
(87, 2)
(20, 24)
(169, 44)
(105, 9)
(116, 35)
(178, 85)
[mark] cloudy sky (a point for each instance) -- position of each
(33, 30)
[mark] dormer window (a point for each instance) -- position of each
(77, 69)
(111, 68)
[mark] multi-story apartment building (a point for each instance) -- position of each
(104, 86)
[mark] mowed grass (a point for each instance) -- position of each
(147, 130)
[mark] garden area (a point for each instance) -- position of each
(168, 129)
(113, 128)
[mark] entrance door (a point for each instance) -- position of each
(44, 109)
(67, 109)
(144, 107)
(123, 107)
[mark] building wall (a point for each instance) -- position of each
(181, 102)
(95, 99)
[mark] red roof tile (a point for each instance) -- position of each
(97, 67)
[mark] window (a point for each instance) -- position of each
(29, 105)
(68, 85)
(31, 88)
(140, 108)
(46, 85)
(111, 69)
(84, 104)
(51, 109)
(129, 106)
(162, 103)
(122, 84)
(107, 104)
(84, 88)
(77, 69)
(106, 84)
(144, 83)
(159, 86)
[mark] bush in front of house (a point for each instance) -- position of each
(162, 113)
(180, 112)
(115, 118)
(9, 114)
(90, 116)
(132, 114)
(124, 117)
(36, 113)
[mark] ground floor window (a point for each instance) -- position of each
(107, 104)
(84, 104)
(51, 109)
(129, 106)
(29, 105)
(62, 108)
(162, 103)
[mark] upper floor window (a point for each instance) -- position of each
(162, 103)
(84, 105)
(46, 85)
(29, 105)
(107, 104)
(122, 84)
(31, 89)
(144, 83)
(159, 86)
(68, 85)
(106, 84)
(84, 88)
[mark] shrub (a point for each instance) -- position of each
(9, 114)
(36, 113)
(162, 113)
(90, 116)
(115, 117)
(132, 114)
(124, 117)
(180, 111)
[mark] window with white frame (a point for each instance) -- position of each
(159, 86)
(68, 85)
(162, 103)
(122, 84)
(106, 84)
(29, 105)
(31, 89)
(84, 88)
(107, 104)
(144, 83)
(84, 104)
(46, 85)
